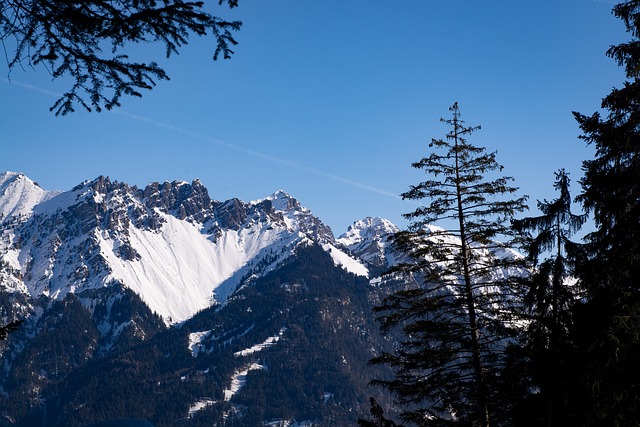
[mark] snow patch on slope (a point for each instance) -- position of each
(259, 347)
(176, 272)
(195, 342)
(288, 423)
(345, 261)
(199, 406)
(239, 379)
(180, 268)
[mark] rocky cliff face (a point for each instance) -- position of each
(184, 201)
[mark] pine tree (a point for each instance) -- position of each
(610, 320)
(550, 299)
(377, 417)
(457, 323)
(5, 330)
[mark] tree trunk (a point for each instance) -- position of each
(481, 388)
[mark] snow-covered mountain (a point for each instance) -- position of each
(18, 195)
(165, 304)
(170, 243)
(368, 239)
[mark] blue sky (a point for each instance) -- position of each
(332, 100)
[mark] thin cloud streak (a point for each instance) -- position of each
(30, 87)
(258, 154)
(221, 143)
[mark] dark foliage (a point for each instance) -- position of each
(551, 300)
(456, 325)
(377, 417)
(70, 375)
(88, 41)
(609, 320)
(8, 328)
(122, 423)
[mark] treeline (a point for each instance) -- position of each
(493, 338)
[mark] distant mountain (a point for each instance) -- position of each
(166, 305)
(170, 243)
(368, 240)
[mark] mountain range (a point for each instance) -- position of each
(166, 305)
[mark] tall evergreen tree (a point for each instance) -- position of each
(550, 299)
(457, 322)
(610, 320)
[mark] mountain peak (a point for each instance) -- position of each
(180, 198)
(369, 240)
(368, 228)
(8, 176)
(280, 194)
(282, 201)
(19, 194)
(296, 216)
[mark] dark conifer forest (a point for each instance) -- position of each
(572, 359)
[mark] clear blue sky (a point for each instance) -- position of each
(332, 100)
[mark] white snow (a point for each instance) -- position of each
(195, 342)
(180, 268)
(199, 406)
(345, 261)
(259, 347)
(239, 379)
(368, 229)
(288, 423)
(19, 195)
(177, 270)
